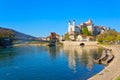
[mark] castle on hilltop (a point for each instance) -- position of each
(74, 30)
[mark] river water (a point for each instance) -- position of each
(49, 63)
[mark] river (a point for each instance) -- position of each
(49, 63)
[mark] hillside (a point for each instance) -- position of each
(19, 35)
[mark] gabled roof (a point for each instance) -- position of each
(89, 22)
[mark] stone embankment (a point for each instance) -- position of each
(112, 71)
(45, 44)
(78, 43)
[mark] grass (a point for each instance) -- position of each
(118, 78)
(36, 42)
(105, 43)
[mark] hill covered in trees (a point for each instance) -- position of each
(10, 33)
(7, 36)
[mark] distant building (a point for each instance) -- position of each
(103, 29)
(61, 38)
(48, 38)
(99, 29)
(53, 37)
(82, 37)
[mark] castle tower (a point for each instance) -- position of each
(74, 23)
(69, 27)
(69, 23)
(90, 26)
(89, 21)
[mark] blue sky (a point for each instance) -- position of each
(40, 17)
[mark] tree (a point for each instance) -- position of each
(67, 36)
(118, 37)
(6, 37)
(4, 33)
(109, 36)
(85, 31)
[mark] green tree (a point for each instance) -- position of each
(109, 36)
(85, 31)
(67, 36)
(118, 37)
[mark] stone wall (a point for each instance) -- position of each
(75, 43)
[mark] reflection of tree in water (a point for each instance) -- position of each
(6, 53)
(53, 51)
(95, 55)
(6, 57)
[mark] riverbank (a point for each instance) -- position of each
(78, 43)
(112, 71)
(45, 44)
(37, 44)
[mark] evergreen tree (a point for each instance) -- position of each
(85, 31)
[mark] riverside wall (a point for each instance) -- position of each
(112, 71)
(76, 43)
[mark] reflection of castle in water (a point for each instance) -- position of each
(81, 55)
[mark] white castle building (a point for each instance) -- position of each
(90, 26)
(74, 30)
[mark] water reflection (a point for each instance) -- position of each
(82, 55)
(53, 52)
(49, 63)
(6, 57)
(9, 56)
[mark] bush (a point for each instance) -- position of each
(118, 78)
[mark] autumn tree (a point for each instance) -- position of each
(108, 36)
(6, 33)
